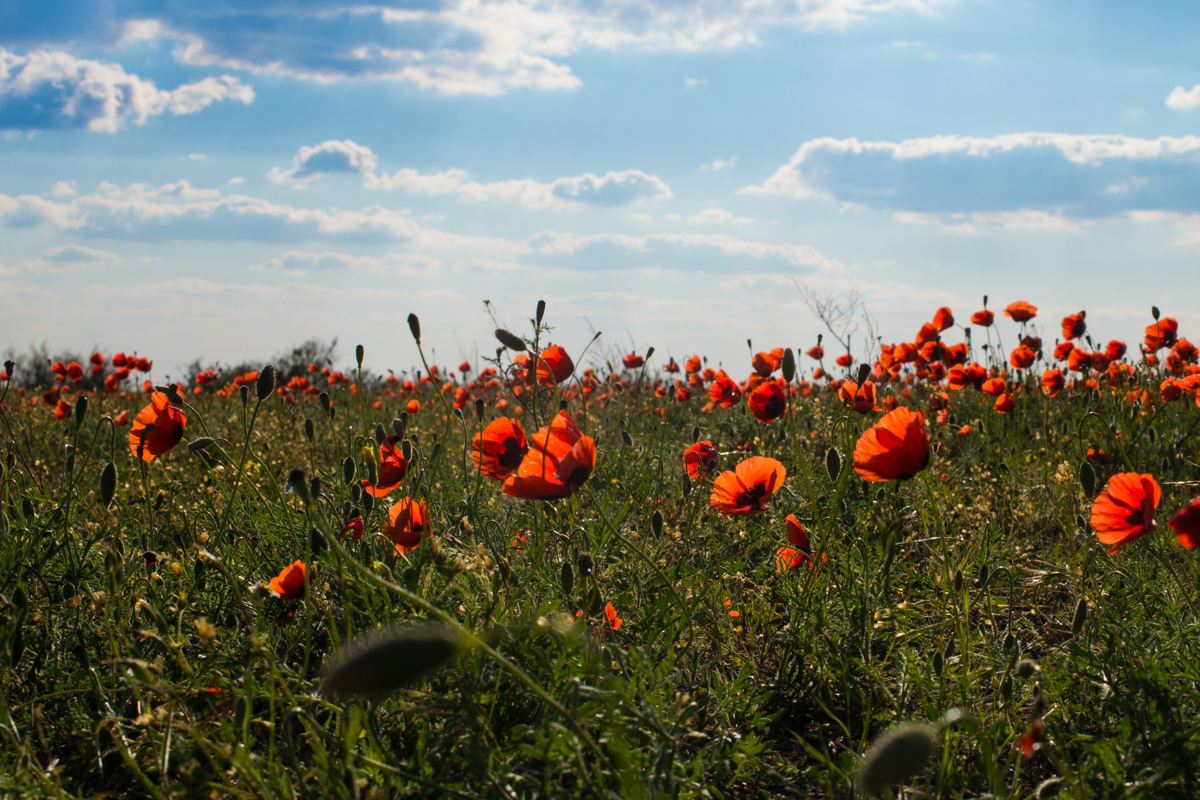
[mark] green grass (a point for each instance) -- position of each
(933, 589)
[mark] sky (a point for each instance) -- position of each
(223, 180)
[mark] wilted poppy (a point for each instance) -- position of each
(1074, 325)
(560, 459)
(747, 489)
(408, 521)
(1022, 357)
(699, 459)
(632, 361)
(499, 448)
(392, 467)
(815, 353)
(1161, 334)
(724, 392)
(895, 448)
(289, 583)
(858, 398)
(1186, 524)
(168, 421)
(1020, 311)
(943, 318)
(1053, 382)
(768, 402)
(984, 318)
(1124, 511)
(554, 366)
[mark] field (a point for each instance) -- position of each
(949, 570)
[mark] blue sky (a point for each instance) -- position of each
(221, 180)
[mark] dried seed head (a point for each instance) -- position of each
(896, 756)
(383, 664)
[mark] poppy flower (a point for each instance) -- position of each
(800, 552)
(355, 527)
(122, 419)
(554, 366)
(693, 364)
(962, 376)
(289, 583)
(1124, 511)
(905, 352)
(725, 393)
(1005, 402)
(815, 353)
(1161, 334)
(633, 361)
(560, 459)
(1073, 325)
(1079, 360)
(984, 318)
(1053, 382)
(1020, 311)
(932, 351)
(59, 368)
(464, 367)
(610, 614)
(671, 366)
(943, 319)
(74, 370)
(120, 360)
(766, 363)
(768, 402)
(408, 521)
(1022, 357)
(747, 489)
(994, 387)
(895, 448)
(412, 407)
(392, 467)
(858, 398)
(499, 448)
(699, 459)
(845, 361)
(143, 365)
(63, 409)
(928, 333)
(1032, 342)
(1169, 389)
(168, 421)
(955, 354)
(1186, 524)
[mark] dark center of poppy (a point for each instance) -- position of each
(578, 476)
(752, 497)
(513, 453)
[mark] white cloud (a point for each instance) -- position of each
(397, 264)
(556, 243)
(692, 83)
(326, 158)
(721, 163)
(196, 156)
(70, 257)
(717, 216)
(46, 90)
(975, 223)
(63, 189)
(1182, 99)
(236, 180)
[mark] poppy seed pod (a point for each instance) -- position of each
(266, 382)
(896, 756)
(80, 409)
(383, 664)
(511, 340)
(789, 365)
(414, 325)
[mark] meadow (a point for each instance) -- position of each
(944, 567)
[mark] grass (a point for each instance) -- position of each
(140, 654)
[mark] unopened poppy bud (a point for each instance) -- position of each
(1026, 667)
(1010, 642)
(372, 475)
(1081, 612)
(399, 424)
(310, 430)
(298, 483)
(985, 301)
(381, 664)
(406, 449)
(316, 541)
(649, 353)
(173, 394)
(687, 485)
(314, 487)
(656, 523)
(355, 492)
(1006, 688)
(566, 578)
(585, 565)
(1087, 479)
(359, 352)
(833, 464)
(695, 434)
(1153, 312)
(626, 438)
(896, 756)
(414, 325)
(789, 365)
(266, 382)
(479, 408)
(80, 409)
(541, 310)
(368, 503)
(108, 484)
(939, 663)
(511, 340)
(9, 366)
(820, 336)
(244, 391)
(458, 413)
(380, 433)
(348, 470)
(958, 580)
(202, 443)
(324, 398)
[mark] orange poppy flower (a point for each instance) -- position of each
(1124, 511)
(860, 399)
(554, 366)
(1186, 524)
(955, 354)
(943, 319)
(994, 387)
(671, 366)
(984, 318)
(289, 583)
(408, 521)
(845, 361)
(725, 393)
(815, 353)
(355, 527)
(63, 409)
(632, 361)
(962, 376)
(699, 459)
(499, 448)
(1079, 360)
(905, 352)
(928, 333)
(1161, 334)
(1022, 357)
(412, 407)
(1074, 325)
(560, 459)
(895, 448)
(800, 552)
(768, 402)
(1032, 342)
(766, 363)
(610, 614)
(168, 421)
(392, 467)
(1053, 382)
(122, 419)
(1005, 402)
(692, 364)
(747, 489)
(1169, 390)
(1020, 311)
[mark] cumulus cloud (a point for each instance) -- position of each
(399, 264)
(311, 163)
(46, 90)
(451, 46)
(70, 257)
(1041, 180)
(717, 216)
(1182, 99)
(721, 163)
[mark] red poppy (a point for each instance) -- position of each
(815, 353)
(1115, 350)
(610, 614)
(766, 363)
(119, 360)
(768, 401)
(1022, 357)
(1124, 511)
(699, 459)
(1073, 325)
(1079, 360)
(671, 366)
(560, 459)
(74, 371)
(392, 467)
(1053, 382)
(122, 419)
(895, 448)
(289, 583)
(1186, 524)
(408, 521)
(1005, 402)
(554, 366)
(747, 489)
(972, 375)
(955, 354)
(859, 398)
(168, 421)
(994, 387)
(724, 392)
(1028, 740)
(943, 319)
(984, 318)
(499, 448)
(905, 352)
(1020, 311)
(412, 407)
(1161, 334)
(355, 527)
(1032, 342)
(1169, 390)
(928, 333)
(800, 552)
(62, 409)
(692, 364)
(633, 361)
(845, 361)
(143, 365)
(464, 367)
(932, 351)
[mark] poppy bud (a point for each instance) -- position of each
(355, 492)
(949, 652)
(399, 424)
(562, 405)
(298, 483)
(392, 661)
(541, 310)
(864, 371)
(820, 336)
(896, 756)
(985, 301)
(983, 576)
(958, 580)
(359, 352)
(626, 438)
(789, 365)
(372, 476)
(108, 483)
(173, 394)
(656, 522)
(199, 569)
(244, 391)
(324, 398)
(266, 382)
(649, 353)
(9, 366)
(80, 409)
(1081, 612)
(939, 663)
(1087, 478)
(585, 565)
(315, 487)
(1006, 688)
(196, 445)
(406, 449)
(310, 430)
(27, 509)
(316, 541)
(1010, 642)
(414, 325)
(833, 464)
(566, 578)
(695, 434)
(1153, 312)
(511, 340)
(1026, 667)
(380, 433)
(458, 413)
(687, 485)
(479, 408)
(348, 470)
